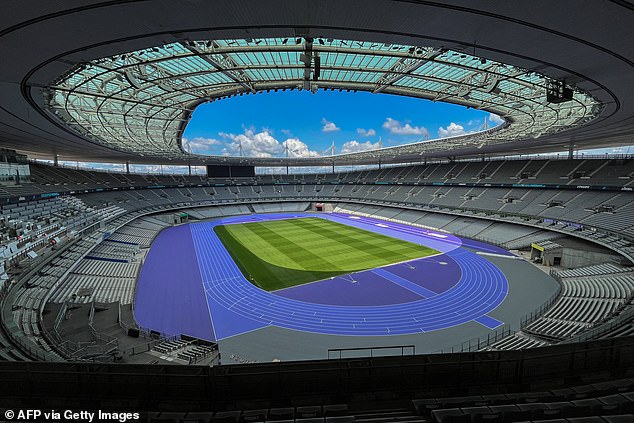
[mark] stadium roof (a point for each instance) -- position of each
(141, 101)
(117, 81)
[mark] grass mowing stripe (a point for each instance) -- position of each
(339, 247)
(369, 248)
(283, 253)
(292, 250)
(262, 274)
(362, 236)
(348, 242)
(364, 245)
(260, 239)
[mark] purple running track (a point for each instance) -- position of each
(169, 296)
(189, 263)
(356, 289)
(437, 273)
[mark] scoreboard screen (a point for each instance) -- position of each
(219, 171)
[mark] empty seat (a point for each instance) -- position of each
(335, 410)
(279, 414)
(250, 416)
(226, 417)
(307, 412)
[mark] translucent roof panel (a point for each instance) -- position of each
(140, 102)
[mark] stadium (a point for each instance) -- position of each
(484, 275)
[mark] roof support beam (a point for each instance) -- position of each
(307, 59)
(402, 67)
(238, 76)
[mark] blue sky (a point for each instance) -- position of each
(264, 124)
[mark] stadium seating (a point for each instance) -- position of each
(617, 173)
(589, 296)
(543, 218)
(512, 216)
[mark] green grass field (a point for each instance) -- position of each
(283, 253)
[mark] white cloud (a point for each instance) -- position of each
(354, 146)
(396, 127)
(297, 148)
(263, 144)
(328, 126)
(199, 144)
(493, 118)
(366, 132)
(451, 131)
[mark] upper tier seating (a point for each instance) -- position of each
(618, 173)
